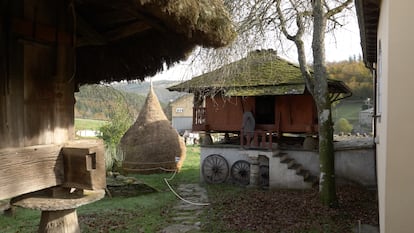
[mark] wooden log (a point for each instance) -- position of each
(40, 32)
(28, 169)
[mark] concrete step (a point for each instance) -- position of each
(300, 171)
(286, 159)
(295, 166)
(314, 180)
(280, 154)
(304, 173)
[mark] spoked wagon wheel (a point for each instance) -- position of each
(264, 175)
(215, 169)
(240, 172)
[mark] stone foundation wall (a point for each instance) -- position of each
(352, 164)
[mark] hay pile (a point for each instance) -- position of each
(151, 145)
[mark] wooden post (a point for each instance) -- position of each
(241, 138)
(63, 221)
(270, 141)
(256, 138)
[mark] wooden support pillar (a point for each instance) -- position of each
(58, 207)
(60, 221)
(270, 141)
(207, 140)
(241, 135)
(256, 138)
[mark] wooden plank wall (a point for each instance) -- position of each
(29, 169)
(225, 113)
(11, 79)
(36, 97)
(37, 89)
(3, 73)
(297, 113)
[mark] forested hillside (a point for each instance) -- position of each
(160, 89)
(346, 112)
(355, 75)
(100, 101)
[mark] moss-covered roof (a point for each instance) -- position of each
(262, 72)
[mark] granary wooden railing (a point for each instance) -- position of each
(258, 139)
(199, 119)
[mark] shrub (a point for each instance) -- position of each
(343, 125)
(112, 132)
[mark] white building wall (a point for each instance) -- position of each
(395, 156)
(182, 123)
(351, 165)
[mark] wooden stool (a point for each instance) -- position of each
(58, 206)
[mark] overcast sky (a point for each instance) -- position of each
(341, 46)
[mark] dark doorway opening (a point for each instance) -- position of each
(265, 110)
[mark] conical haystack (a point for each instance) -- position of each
(152, 145)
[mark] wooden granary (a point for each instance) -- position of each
(261, 105)
(270, 87)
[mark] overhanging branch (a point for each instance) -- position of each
(338, 9)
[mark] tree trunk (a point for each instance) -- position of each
(327, 185)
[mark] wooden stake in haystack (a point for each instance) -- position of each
(152, 145)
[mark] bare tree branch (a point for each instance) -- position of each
(283, 22)
(338, 9)
(298, 40)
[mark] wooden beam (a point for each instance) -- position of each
(28, 169)
(40, 32)
(84, 164)
(87, 35)
(127, 30)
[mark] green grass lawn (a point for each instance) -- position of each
(88, 124)
(348, 110)
(233, 208)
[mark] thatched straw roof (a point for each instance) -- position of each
(132, 39)
(262, 72)
(151, 145)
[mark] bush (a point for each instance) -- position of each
(343, 125)
(112, 132)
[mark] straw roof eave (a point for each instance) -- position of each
(132, 39)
